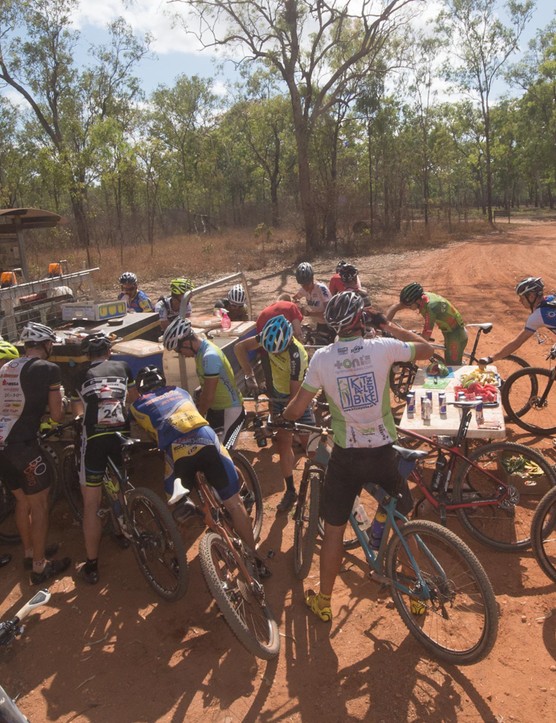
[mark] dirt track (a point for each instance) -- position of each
(114, 653)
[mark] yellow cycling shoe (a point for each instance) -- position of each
(320, 606)
(417, 606)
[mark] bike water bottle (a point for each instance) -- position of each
(225, 321)
(377, 529)
(361, 516)
(438, 474)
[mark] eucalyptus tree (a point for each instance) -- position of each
(38, 47)
(295, 39)
(479, 44)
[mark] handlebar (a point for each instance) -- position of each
(59, 428)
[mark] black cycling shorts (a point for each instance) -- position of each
(25, 467)
(349, 470)
(94, 458)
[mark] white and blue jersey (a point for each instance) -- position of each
(544, 315)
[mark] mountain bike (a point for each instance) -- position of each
(402, 374)
(136, 515)
(230, 571)
(419, 560)
(494, 490)
(543, 534)
(528, 399)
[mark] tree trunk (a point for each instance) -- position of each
(78, 203)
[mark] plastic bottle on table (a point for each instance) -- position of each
(225, 321)
(377, 529)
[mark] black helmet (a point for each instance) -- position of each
(531, 283)
(339, 265)
(128, 277)
(96, 344)
(343, 311)
(148, 378)
(348, 273)
(304, 273)
(411, 293)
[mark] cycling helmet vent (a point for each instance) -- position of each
(175, 332)
(148, 378)
(35, 333)
(304, 273)
(180, 286)
(411, 293)
(348, 273)
(276, 334)
(531, 283)
(344, 310)
(128, 277)
(7, 350)
(96, 344)
(236, 295)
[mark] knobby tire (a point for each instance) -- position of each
(306, 522)
(250, 490)
(543, 534)
(520, 395)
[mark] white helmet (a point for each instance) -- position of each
(33, 332)
(175, 332)
(236, 295)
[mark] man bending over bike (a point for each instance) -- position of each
(436, 311)
(354, 373)
(190, 445)
(543, 313)
(100, 395)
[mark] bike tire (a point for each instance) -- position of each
(543, 534)
(460, 623)
(250, 491)
(520, 397)
(157, 544)
(505, 527)
(401, 378)
(71, 487)
(246, 612)
(306, 522)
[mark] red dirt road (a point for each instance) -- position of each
(115, 653)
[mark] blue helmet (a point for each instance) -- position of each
(276, 334)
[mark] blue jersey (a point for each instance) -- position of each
(544, 315)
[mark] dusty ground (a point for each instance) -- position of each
(115, 653)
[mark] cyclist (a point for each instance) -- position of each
(345, 279)
(435, 310)
(220, 401)
(168, 307)
(100, 396)
(283, 306)
(136, 300)
(316, 295)
(354, 372)
(542, 313)
(190, 445)
(27, 386)
(288, 363)
(235, 304)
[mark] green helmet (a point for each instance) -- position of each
(180, 286)
(437, 369)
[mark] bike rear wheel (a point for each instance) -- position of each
(543, 534)
(243, 606)
(402, 375)
(460, 620)
(529, 400)
(157, 544)
(506, 525)
(250, 491)
(306, 522)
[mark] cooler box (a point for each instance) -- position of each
(138, 353)
(91, 311)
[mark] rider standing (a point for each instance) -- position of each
(436, 311)
(354, 373)
(27, 386)
(100, 395)
(136, 300)
(316, 295)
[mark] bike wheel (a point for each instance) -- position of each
(70, 483)
(242, 604)
(8, 528)
(402, 375)
(460, 620)
(250, 491)
(505, 525)
(306, 523)
(529, 401)
(157, 544)
(543, 534)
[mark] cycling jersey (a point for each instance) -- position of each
(439, 311)
(168, 308)
(211, 362)
(288, 366)
(336, 285)
(317, 298)
(354, 375)
(543, 315)
(287, 309)
(139, 303)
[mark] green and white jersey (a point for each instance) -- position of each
(354, 375)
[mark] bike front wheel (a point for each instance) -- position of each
(240, 598)
(504, 525)
(157, 544)
(543, 534)
(306, 522)
(529, 401)
(249, 491)
(459, 620)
